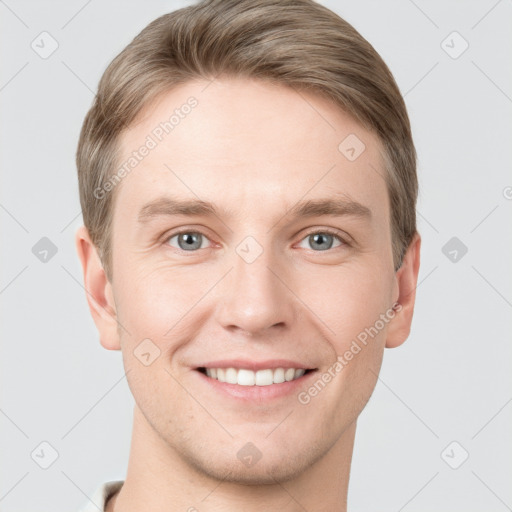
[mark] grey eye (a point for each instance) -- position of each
(188, 241)
(321, 241)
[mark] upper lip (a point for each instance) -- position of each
(256, 365)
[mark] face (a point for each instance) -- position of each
(284, 261)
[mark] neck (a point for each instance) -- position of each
(159, 479)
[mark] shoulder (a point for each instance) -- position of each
(102, 494)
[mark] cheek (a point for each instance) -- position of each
(351, 305)
(153, 300)
(153, 305)
(349, 300)
(361, 318)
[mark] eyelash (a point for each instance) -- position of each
(325, 231)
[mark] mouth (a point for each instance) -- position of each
(259, 385)
(262, 377)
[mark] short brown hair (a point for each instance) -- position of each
(298, 43)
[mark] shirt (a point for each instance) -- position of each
(101, 496)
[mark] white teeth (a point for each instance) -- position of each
(264, 377)
(231, 377)
(299, 373)
(278, 375)
(244, 377)
(289, 374)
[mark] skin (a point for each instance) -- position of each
(253, 149)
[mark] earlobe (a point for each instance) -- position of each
(406, 280)
(98, 291)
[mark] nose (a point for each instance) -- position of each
(255, 296)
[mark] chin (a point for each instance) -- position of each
(271, 468)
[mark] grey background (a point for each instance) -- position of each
(451, 381)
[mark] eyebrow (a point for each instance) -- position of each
(166, 206)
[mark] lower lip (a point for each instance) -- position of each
(258, 393)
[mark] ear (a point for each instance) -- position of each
(98, 291)
(405, 295)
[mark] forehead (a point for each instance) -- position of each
(248, 143)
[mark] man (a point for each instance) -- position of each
(248, 185)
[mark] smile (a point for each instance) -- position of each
(245, 377)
